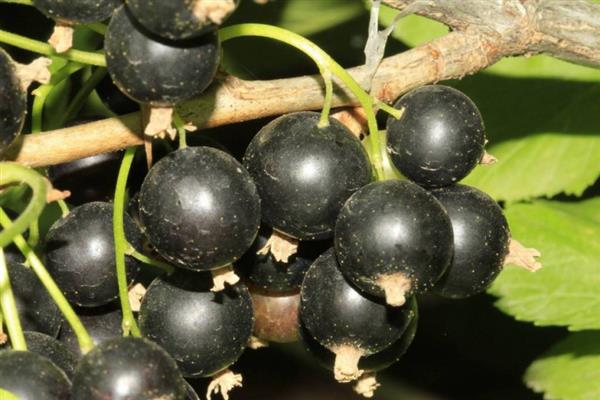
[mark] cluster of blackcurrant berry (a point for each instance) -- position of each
(299, 241)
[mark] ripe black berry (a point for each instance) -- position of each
(205, 332)
(264, 272)
(199, 208)
(481, 238)
(345, 321)
(30, 376)
(80, 11)
(80, 254)
(276, 316)
(50, 348)
(393, 239)
(181, 19)
(440, 137)
(101, 323)
(37, 310)
(13, 102)
(128, 368)
(304, 173)
(155, 71)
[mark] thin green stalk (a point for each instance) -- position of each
(34, 234)
(97, 27)
(9, 308)
(64, 208)
(129, 324)
(181, 133)
(85, 341)
(324, 121)
(22, 42)
(23, 2)
(131, 251)
(79, 100)
(15, 173)
(325, 63)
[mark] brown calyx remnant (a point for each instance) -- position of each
(255, 343)
(53, 194)
(222, 276)
(281, 246)
(35, 71)
(522, 256)
(488, 159)
(366, 385)
(136, 294)
(159, 122)
(213, 11)
(223, 382)
(354, 119)
(395, 286)
(62, 38)
(345, 368)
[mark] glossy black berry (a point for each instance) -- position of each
(440, 137)
(30, 376)
(481, 239)
(37, 310)
(156, 71)
(276, 315)
(79, 11)
(199, 208)
(180, 19)
(391, 234)
(204, 331)
(51, 348)
(264, 272)
(375, 362)
(13, 102)
(304, 173)
(114, 99)
(342, 319)
(80, 254)
(128, 368)
(101, 323)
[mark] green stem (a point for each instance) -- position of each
(325, 62)
(9, 308)
(129, 324)
(34, 234)
(15, 173)
(22, 42)
(97, 27)
(131, 251)
(78, 101)
(181, 133)
(85, 341)
(324, 121)
(64, 208)
(23, 2)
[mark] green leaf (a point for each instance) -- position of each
(570, 370)
(413, 30)
(6, 395)
(307, 17)
(544, 132)
(543, 67)
(565, 291)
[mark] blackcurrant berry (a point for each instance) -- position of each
(375, 362)
(52, 349)
(393, 239)
(79, 11)
(481, 239)
(37, 310)
(264, 272)
(155, 71)
(345, 321)
(181, 19)
(440, 137)
(128, 368)
(199, 208)
(30, 376)
(101, 323)
(13, 102)
(276, 315)
(80, 254)
(304, 173)
(205, 332)
(114, 99)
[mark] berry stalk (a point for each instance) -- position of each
(121, 245)
(9, 308)
(85, 341)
